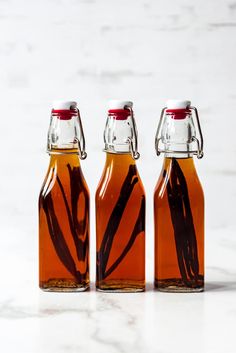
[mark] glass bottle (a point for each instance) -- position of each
(64, 206)
(120, 207)
(179, 202)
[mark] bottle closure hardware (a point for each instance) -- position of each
(198, 152)
(133, 140)
(81, 143)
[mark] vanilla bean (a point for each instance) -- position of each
(191, 235)
(57, 237)
(81, 227)
(138, 228)
(114, 221)
(76, 189)
(80, 244)
(177, 221)
(182, 220)
(56, 234)
(183, 232)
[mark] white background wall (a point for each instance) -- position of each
(91, 51)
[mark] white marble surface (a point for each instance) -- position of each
(91, 50)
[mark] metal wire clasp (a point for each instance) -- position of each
(133, 141)
(198, 152)
(81, 143)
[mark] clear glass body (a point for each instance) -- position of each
(179, 216)
(64, 218)
(120, 227)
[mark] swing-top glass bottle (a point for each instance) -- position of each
(64, 206)
(179, 201)
(120, 207)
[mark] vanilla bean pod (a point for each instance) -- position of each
(76, 190)
(114, 221)
(57, 237)
(80, 227)
(182, 220)
(190, 230)
(78, 242)
(177, 221)
(138, 228)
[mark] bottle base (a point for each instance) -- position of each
(112, 286)
(175, 285)
(63, 285)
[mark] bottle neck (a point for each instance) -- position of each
(117, 167)
(119, 131)
(65, 131)
(178, 134)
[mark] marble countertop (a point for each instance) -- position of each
(35, 321)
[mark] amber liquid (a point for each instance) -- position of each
(179, 228)
(64, 226)
(120, 227)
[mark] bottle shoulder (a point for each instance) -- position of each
(112, 181)
(59, 179)
(177, 171)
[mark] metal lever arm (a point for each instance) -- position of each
(133, 141)
(81, 142)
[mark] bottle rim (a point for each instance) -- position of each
(119, 114)
(64, 114)
(178, 114)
